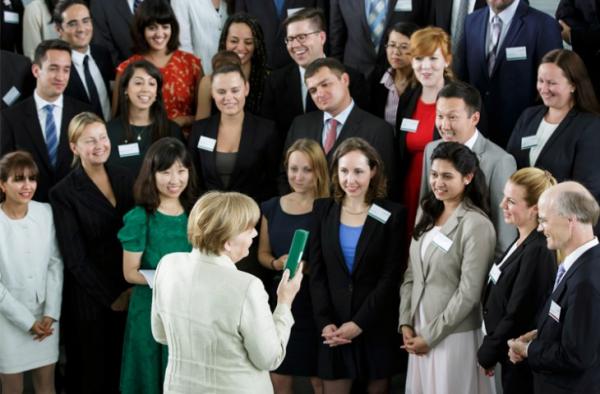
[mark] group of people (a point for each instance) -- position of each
(451, 218)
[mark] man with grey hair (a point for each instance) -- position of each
(563, 351)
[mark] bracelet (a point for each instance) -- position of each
(273, 264)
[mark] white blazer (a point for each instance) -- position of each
(217, 323)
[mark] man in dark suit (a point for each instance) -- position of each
(11, 26)
(499, 53)
(270, 14)
(286, 95)
(338, 117)
(112, 19)
(92, 68)
(563, 351)
(39, 124)
(16, 80)
(357, 27)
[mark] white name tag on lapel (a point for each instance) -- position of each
(554, 311)
(409, 125)
(495, 273)
(292, 11)
(379, 214)
(11, 96)
(403, 5)
(207, 143)
(127, 150)
(529, 142)
(11, 17)
(516, 53)
(442, 241)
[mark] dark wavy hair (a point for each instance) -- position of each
(475, 194)
(158, 115)
(377, 185)
(259, 70)
(161, 156)
(148, 13)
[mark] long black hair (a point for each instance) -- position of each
(475, 194)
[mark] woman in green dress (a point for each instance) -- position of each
(164, 191)
(142, 119)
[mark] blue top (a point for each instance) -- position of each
(348, 240)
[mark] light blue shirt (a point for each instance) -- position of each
(348, 241)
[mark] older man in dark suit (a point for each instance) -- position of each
(92, 68)
(563, 351)
(39, 124)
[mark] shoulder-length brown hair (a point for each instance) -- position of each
(377, 185)
(315, 154)
(161, 156)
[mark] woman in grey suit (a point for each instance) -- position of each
(450, 254)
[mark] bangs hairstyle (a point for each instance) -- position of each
(317, 159)
(16, 164)
(160, 157)
(76, 127)
(424, 42)
(148, 13)
(377, 184)
(158, 114)
(218, 217)
(535, 181)
(576, 73)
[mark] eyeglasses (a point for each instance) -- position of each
(300, 37)
(401, 47)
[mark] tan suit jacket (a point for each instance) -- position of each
(217, 323)
(449, 283)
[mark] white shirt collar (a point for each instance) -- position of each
(40, 103)
(574, 255)
(341, 117)
(77, 57)
(506, 15)
(470, 143)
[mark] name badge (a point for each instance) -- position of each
(403, 5)
(11, 96)
(442, 241)
(516, 53)
(292, 11)
(11, 17)
(379, 214)
(207, 143)
(409, 125)
(529, 142)
(127, 150)
(495, 273)
(554, 311)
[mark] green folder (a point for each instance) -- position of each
(296, 250)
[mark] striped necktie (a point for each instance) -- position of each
(559, 276)
(51, 137)
(495, 29)
(376, 21)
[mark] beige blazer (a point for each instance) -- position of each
(217, 323)
(449, 283)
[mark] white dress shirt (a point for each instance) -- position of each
(341, 119)
(77, 59)
(506, 16)
(40, 103)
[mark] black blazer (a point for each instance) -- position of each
(570, 153)
(12, 33)
(16, 72)
(564, 357)
(374, 130)
(21, 130)
(112, 19)
(368, 295)
(103, 60)
(510, 306)
(282, 100)
(86, 230)
(257, 159)
(273, 31)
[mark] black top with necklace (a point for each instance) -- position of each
(130, 154)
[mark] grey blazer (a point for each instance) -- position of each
(449, 283)
(497, 166)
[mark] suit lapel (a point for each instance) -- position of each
(64, 155)
(245, 149)
(479, 146)
(562, 128)
(365, 22)
(371, 226)
(124, 11)
(333, 223)
(34, 129)
(512, 34)
(480, 51)
(208, 158)
(295, 90)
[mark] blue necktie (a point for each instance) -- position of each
(376, 21)
(51, 137)
(559, 275)
(279, 7)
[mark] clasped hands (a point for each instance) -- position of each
(517, 348)
(334, 336)
(42, 328)
(413, 344)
